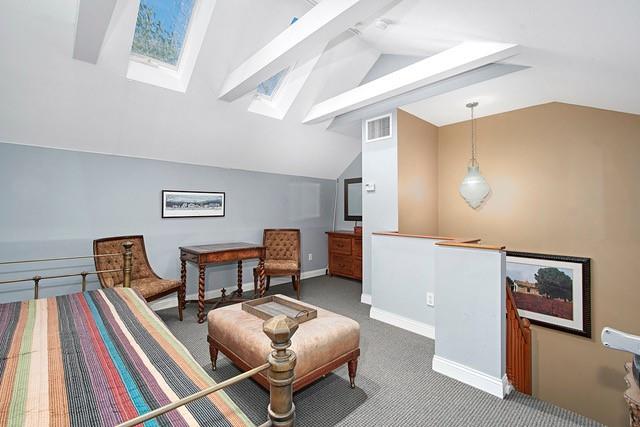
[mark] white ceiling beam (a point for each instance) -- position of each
(93, 21)
(468, 78)
(458, 59)
(309, 34)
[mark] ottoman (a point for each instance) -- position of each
(321, 344)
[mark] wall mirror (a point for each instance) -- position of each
(353, 199)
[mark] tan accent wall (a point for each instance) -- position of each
(417, 175)
(565, 180)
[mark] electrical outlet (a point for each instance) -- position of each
(310, 257)
(430, 299)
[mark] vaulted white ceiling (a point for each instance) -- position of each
(576, 51)
(50, 99)
(579, 51)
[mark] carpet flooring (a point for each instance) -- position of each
(395, 385)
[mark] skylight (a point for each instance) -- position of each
(161, 30)
(268, 87)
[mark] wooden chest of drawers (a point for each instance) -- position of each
(345, 254)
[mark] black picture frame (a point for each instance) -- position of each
(216, 212)
(585, 264)
(348, 182)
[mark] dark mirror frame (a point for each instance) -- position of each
(348, 182)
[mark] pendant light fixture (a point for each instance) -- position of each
(474, 188)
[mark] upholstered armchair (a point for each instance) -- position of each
(282, 256)
(143, 278)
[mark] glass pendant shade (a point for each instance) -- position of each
(474, 188)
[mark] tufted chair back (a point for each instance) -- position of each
(282, 244)
(113, 245)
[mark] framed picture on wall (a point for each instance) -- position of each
(552, 290)
(190, 204)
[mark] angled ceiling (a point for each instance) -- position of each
(578, 51)
(51, 99)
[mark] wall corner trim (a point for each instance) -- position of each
(495, 386)
(365, 299)
(402, 322)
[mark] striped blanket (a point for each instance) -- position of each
(96, 359)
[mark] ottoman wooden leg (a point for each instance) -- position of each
(213, 352)
(353, 367)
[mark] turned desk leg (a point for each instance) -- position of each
(183, 283)
(261, 276)
(239, 293)
(201, 315)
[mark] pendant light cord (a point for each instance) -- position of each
(474, 153)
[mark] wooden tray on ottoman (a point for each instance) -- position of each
(268, 307)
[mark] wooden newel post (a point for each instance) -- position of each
(281, 409)
(128, 256)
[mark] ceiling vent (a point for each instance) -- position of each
(378, 128)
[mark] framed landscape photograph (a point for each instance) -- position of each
(552, 290)
(189, 204)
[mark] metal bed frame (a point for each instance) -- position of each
(280, 363)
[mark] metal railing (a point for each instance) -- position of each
(127, 255)
(281, 362)
(174, 405)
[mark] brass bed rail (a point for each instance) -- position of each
(24, 261)
(127, 255)
(281, 363)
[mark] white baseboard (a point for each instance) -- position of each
(172, 301)
(365, 299)
(402, 322)
(498, 387)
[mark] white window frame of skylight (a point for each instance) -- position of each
(158, 73)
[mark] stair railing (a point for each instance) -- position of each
(518, 347)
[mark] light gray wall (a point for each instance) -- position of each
(470, 309)
(379, 208)
(55, 202)
(403, 266)
(354, 170)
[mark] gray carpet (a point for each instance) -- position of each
(395, 385)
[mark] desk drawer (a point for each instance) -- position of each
(340, 245)
(341, 264)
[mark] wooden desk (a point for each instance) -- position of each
(203, 255)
